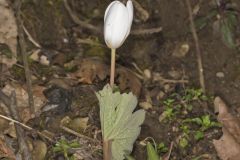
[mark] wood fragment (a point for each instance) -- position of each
(139, 32)
(21, 137)
(198, 52)
(31, 38)
(78, 21)
(23, 52)
(66, 129)
(7, 101)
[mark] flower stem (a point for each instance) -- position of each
(107, 153)
(112, 73)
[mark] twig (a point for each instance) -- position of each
(98, 30)
(139, 32)
(22, 144)
(198, 52)
(173, 81)
(22, 46)
(89, 42)
(31, 38)
(78, 21)
(66, 129)
(167, 156)
(143, 14)
(7, 101)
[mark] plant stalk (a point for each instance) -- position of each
(112, 72)
(107, 153)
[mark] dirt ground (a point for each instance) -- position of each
(168, 85)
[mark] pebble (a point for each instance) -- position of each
(147, 73)
(145, 105)
(174, 74)
(220, 75)
(181, 50)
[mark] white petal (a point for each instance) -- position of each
(130, 15)
(109, 6)
(130, 12)
(116, 25)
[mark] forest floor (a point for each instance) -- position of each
(69, 62)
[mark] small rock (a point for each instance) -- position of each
(175, 129)
(174, 74)
(39, 150)
(44, 60)
(79, 124)
(220, 74)
(147, 73)
(167, 88)
(181, 51)
(145, 105)
(160, 95)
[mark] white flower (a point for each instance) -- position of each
(117, 23)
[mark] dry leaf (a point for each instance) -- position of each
(127, 80)
(228, 146)
(22, 98)
(91, 69)
(5, 151)
(8, 27)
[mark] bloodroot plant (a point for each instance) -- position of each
(120, 125)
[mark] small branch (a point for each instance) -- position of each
(7, 101)
(22, 143)
(66, 129)
(98, 30)
(198, 52)
(80, 22)
(167, 156)
(22, 45)
(31, 38)
(139, 32)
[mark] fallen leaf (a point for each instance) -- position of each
(5, 151)
(79, 124)
(127, 80)
(8, 27)
(91, 69)
(22, 98)
(228, 146)
(39, 150)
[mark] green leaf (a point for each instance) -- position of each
(151, 152)
(183, 143)
(118, 121)
(227, 33)
(198, 135)
(129, 158)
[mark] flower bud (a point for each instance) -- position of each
(117, 23)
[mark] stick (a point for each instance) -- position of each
(31, 38)
(66, 129)
(22, 144)
(78, 21)
(22, 45)
(198, 52)
(7, 101)
(112, 72)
